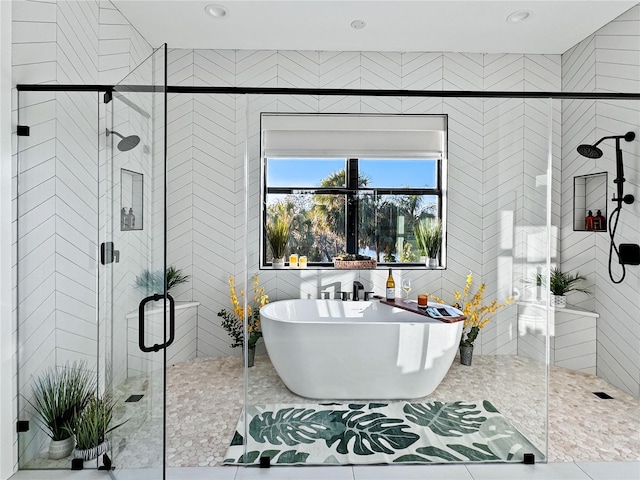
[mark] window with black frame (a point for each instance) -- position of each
(367, 204)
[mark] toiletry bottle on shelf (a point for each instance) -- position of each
(123, 219)
(589, 221)
(391, 288)
(599, 222)
(132, 219)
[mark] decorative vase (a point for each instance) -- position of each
(558, 301)
(251, 356)
(432, 262)
(466, 354)
(278, 263)
(91, 453)
(61, 448)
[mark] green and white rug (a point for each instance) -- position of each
(376, 433)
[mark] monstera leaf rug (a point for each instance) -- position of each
(374, 433)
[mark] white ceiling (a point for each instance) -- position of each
(397, 25)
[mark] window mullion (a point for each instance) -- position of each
(352, 205)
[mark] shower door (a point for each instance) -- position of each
(137, 313)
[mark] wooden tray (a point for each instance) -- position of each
(355, 264)
(413, 307)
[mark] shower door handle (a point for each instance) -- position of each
(108, 254)
(172, 323)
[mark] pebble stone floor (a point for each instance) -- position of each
(205, 396)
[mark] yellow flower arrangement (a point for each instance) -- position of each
(478, 315)
(232, 322)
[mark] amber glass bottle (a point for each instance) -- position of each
(589, 221)
(599, 222)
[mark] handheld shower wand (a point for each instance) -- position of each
(592, 151)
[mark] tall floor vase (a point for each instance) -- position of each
(466, 354)
(251, 356)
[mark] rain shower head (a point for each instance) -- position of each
(592, 151)
(589, 151)
(127, 143)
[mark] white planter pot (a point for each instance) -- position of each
(278, 263)
(558, 301)
(61, 448)
(91, 453)
(432, 262)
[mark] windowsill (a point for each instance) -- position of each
(381, 266)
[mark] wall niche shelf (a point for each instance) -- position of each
(590, 195)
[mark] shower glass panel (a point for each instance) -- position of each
(616, 297)
(521, 144)
(57, 240)
(496, 207)
(138, 313)
(79, 274)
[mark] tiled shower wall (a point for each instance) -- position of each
(497, 161)
(62, 42)
(607, 61)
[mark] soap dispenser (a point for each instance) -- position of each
(123, 219)
(599, 222)
(589, 221)
(132, 219)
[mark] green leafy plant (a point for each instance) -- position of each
(92, 424)
(561, 283)
(59, 396)
(153, 282)
(278, 236)
(429, 236)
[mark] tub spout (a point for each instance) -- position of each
(357, 286)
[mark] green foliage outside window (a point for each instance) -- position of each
(386, 222)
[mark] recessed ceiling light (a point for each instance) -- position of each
(216, 10)
(358, 24)
(519, 16)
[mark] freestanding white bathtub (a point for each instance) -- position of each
(330, 349)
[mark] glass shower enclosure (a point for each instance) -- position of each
(92, 241)
(91, 260)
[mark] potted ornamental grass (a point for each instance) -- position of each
(92, 427)
(59, 396)
(277, 237)
(428, 233)
(561, 283)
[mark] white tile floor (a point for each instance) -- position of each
(550, 471)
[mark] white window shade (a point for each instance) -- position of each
(360, 136)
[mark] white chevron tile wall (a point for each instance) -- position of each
(57, 169)
(484, 137)
(607, 61)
